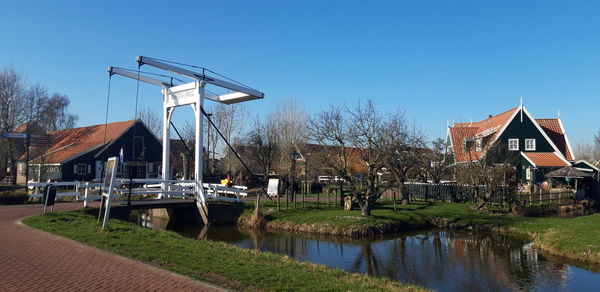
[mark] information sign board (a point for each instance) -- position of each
(273, 187)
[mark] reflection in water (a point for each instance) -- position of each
(441, 260)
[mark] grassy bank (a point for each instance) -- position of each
(215, 262)
(575, 238)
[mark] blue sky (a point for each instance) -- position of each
(439, 60)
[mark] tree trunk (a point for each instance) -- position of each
(341, 193)
(404, 193)
(257, 206)
(365, 208)
(484, 201)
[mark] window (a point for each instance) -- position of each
(513, 144)
(80, 169)
(53, 168)
(152, 167)
(468, 144)
(21, 168)
(530, 144)
(138, 150)
(478, 144)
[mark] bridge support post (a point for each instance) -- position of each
(166, 146)
(199, 155)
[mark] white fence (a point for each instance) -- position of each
(164, 189)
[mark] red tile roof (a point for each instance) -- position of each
(490, 126)
(555, 132)
(545, 159)
(73, 142)
(458, 134)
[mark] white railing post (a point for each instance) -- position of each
(77, 190)
(85, 196)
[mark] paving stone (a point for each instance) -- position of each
(32, 260)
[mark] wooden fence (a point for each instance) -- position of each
(464, 193)
(559, 198)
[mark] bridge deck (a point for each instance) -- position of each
(156, 204)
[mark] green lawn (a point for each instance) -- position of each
(576, 238)
(215, 262)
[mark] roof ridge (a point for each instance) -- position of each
(77, 128)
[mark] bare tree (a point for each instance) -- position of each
(353, 139)
(587, 151)
(21, 103)
(56, 117)
(491, 174)
(152, 120)
(291, 122)
(230, 119)
(331, 127)
(597, 139)
(13, 106)
(404, 146)
(263, 146)
(48, 112)
(366, 135)
(436, 161)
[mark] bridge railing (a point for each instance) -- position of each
(172, 188)
(89, 189)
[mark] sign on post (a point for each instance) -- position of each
(15, 135)
(107, 188)
(49, 197)
(188, 93)
(273, 187)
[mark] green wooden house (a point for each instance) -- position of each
(534, 146)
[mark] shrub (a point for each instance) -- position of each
(13, 197)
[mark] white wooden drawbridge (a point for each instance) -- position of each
(193, 94)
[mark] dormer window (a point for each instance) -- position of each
(478, 145)
(530, 144)
(468, 144)
(513, 144)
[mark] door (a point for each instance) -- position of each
(98, 170)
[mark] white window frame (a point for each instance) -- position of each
(79, 167)
(466, 142)
(527, 144)
(513, 142)
(138, 140)
(478, 145)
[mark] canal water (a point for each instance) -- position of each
(441, 260)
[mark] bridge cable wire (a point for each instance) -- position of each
(137, 95)
(182, 140)
(203, 70)
(106, 122)
(262, 187)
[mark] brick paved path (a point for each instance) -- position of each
(32, 260)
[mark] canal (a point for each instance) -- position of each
(440, 259)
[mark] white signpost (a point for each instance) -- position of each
(185, 94)
(107, 189)
(15, 135)
(273, 188)
(19, 135)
